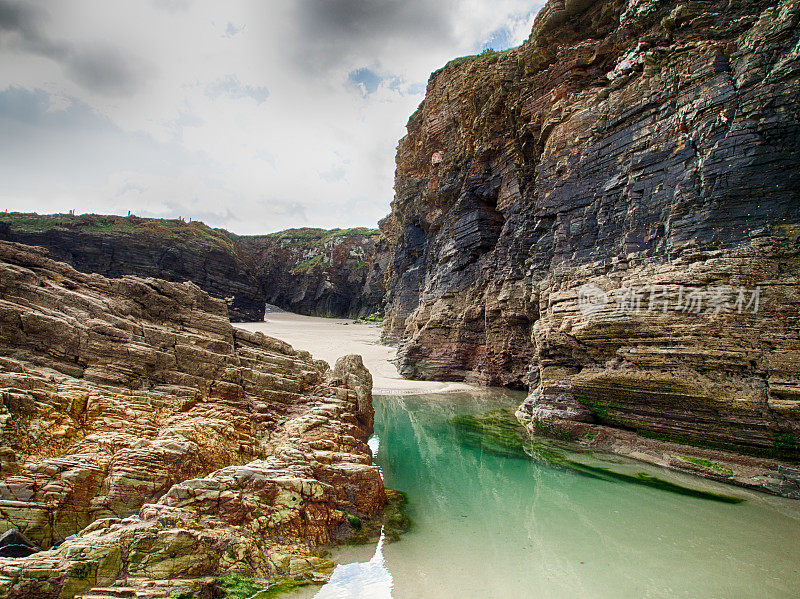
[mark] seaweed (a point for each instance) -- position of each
(393, 522)
(500, 433)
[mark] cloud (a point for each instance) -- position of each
(337, 173)
(230, 86)
(173, 5)
(334, 32)
(105, 70)
(350, 21)
(259, 116)
(100, 68)
(25, 20)
(15, 16)
(60, 142)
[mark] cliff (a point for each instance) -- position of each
(172, 250)
(321, 272)
(310, 271)
(610, 216)
(176, 448)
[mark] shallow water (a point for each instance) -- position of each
(488, 526)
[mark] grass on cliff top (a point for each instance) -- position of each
(111, 224)
(488, 56)
(101, 224)
(500, 433)
(312, 236)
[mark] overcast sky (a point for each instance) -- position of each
(250, 115)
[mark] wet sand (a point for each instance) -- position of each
(330, 338)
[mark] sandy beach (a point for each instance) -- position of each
(330, 338)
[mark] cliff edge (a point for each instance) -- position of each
(316, 272)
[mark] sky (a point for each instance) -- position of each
(252, 115)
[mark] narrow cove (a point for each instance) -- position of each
(490, 521)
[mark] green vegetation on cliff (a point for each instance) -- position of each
(318, 237)
(110, 224)
(247, 271)
(308, 265)
(488, 56)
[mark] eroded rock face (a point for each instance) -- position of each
(309, 271)
(634, 146)
(321, 272)
(165, 249)
(174, 445)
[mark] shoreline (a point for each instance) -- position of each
(331, 338)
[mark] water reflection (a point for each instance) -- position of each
(360, 580)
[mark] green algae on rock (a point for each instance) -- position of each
(496, 431)
(280, 588)
(237, 586)
(392, 522)
(499, 432)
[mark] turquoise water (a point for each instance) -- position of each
(488, 526)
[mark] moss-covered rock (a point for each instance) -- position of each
(393, 522)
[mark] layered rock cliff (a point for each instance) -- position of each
(321, 272)
(309, 271)
(176, 448)
(172, 250)
(610, 216)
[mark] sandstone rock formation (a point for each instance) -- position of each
(596, 214)
(174, 446)
(309, 271)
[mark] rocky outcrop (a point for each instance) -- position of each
(610, 216)
(321, 272)
(175, 447)
(172, 250)
(310, 271)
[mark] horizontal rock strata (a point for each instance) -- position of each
(595, 215)
(172, 250)
(309, 271)
(174, 446)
